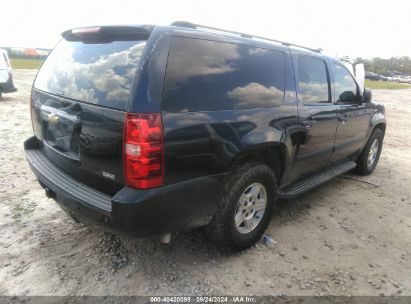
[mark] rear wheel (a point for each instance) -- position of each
(246, 207)
(368, 159)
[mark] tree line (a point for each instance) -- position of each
(387, 67)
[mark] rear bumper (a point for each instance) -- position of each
(169, 208)
(8, 87)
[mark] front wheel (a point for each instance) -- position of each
(246, 207)
(368, 159)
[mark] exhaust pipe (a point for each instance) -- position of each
(165, 238)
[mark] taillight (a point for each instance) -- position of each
(143, 150)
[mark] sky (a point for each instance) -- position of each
(341, 28)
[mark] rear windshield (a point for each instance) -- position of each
(97, 73)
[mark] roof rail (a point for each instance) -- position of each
(195, 26)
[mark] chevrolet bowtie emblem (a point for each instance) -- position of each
(53, 118)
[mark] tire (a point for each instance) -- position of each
(364, 164)
(243, 182)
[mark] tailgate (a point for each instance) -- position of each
(83, 140)
(79, 100)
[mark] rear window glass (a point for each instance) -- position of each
(206, 75)
(100, 74)
(313, 80)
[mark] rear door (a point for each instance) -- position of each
(353, 115)
(78, 102)
(317, 114)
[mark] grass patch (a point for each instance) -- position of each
(24, 63)
(386, 85)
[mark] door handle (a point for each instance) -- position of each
(343, 118)
(308, 123)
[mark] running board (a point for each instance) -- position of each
(311, 182)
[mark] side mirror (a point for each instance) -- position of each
(367, 96)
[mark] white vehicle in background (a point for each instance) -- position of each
(402, 79)
(6, 78)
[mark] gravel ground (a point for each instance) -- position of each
(351, 236)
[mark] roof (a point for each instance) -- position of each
(196, 30)
(193, 26)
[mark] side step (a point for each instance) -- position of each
(311, 182)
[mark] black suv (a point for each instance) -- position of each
(156, 129)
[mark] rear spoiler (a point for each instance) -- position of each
(106, 34)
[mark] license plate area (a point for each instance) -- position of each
(61, 131)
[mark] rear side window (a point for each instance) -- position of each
(97, 73)
(313, 80)
(206, 75)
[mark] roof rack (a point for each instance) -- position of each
(195, 26)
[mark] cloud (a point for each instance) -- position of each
(209, 59)
(313, 92)
(62, 73)
(257, 51)
(255, 95)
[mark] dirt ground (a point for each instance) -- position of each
(351, 236)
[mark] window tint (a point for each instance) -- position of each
(207, 76)
(344, 85)
(313, 80)
(99, 73)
